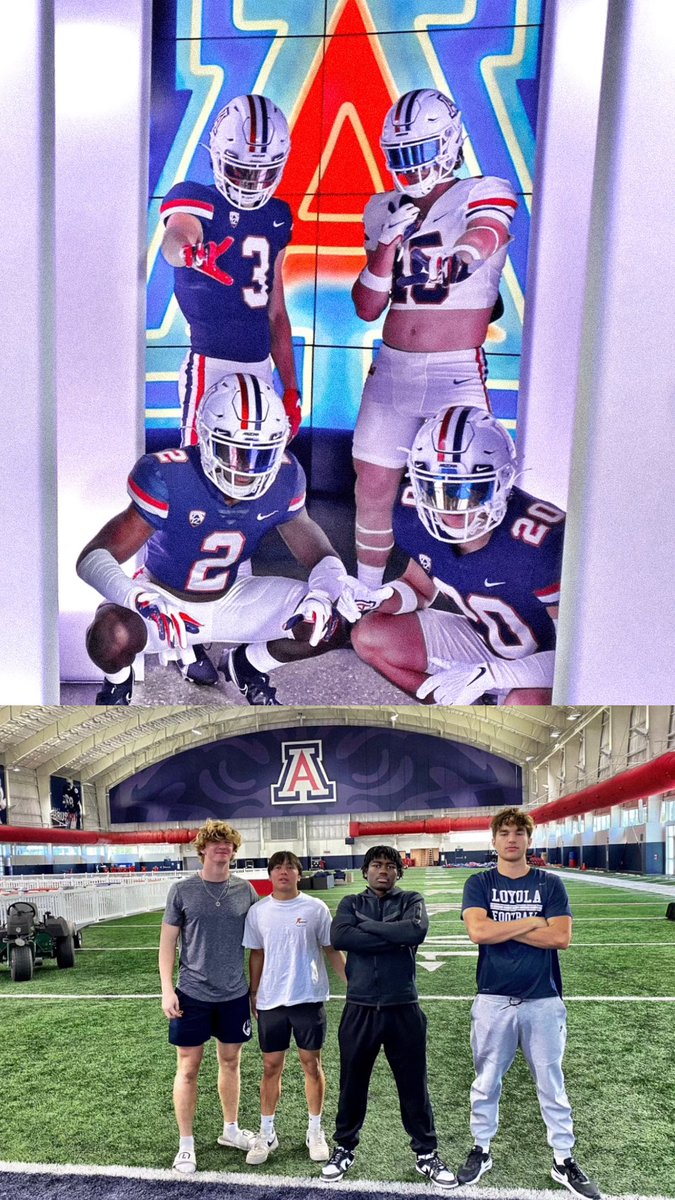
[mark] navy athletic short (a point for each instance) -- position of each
(307, 1022)
(226, 1020)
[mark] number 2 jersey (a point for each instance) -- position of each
(225, 302)
(505, 588)
(421, 267)
(200, 539)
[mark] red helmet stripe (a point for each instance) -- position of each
(243, 390)
(443, 432)
(254, 123)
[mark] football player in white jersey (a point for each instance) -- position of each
(435, 250)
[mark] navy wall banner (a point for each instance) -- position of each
(3, 797)
(316, 770)
(66, 803)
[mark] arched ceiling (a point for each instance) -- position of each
(106, 745)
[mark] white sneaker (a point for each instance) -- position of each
(261, 1149)
(185, 1162)
(242, 1140)
(318, 1146)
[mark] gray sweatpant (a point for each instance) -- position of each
(499, 1025)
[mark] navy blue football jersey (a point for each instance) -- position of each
(505, 588)
(225, 301)
(200, 540)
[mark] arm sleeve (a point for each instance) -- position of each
(296, 494)
(193, 198)
(173, 913)
(546, 579)
(252, 938)
(411, 930)
(148, 491)
(286, 233)
(491, 197)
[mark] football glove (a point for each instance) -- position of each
(317, 609)
(403, 219)
(293, 409)
(356, 599)
(195, 256)
(328, 577)
(172, 625)
(457, 683)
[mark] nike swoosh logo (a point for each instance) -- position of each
(278, 223)
(263, 516)
(458, 381)
(497, 584)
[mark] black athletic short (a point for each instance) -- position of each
(226, 1020)
(307, 1022)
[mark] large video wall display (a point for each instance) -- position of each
(335, 70)
(316, 770)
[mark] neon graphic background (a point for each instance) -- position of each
(335, 69)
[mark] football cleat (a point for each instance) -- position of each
(462, 467)
(201, 671)
(249, 146)
(117, 694)
(253, 685)
(422, 141)
(242, 430)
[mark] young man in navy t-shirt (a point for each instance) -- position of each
(519, 917)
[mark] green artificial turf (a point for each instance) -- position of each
(90, 1080)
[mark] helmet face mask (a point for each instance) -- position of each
(422, 141)
(242, 430)
(462, 467)
(249, 147)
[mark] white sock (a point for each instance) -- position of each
(485, 1147)
(314, 1125)
(259, 657)
(560, 1156)
(267, 1126)
(187, 1143)
(371, 576)
(118, 676)
(230, 1128)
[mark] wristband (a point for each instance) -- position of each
(409, 597)
(376, 283)
(101, 571)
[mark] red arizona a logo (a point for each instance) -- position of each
(302, 779)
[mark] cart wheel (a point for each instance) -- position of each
(21, 963)
(65, 951)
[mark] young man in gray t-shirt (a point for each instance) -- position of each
(206, 913)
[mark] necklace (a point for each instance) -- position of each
(216, 899)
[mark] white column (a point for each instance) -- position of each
(617, 635)
(102, 109)
(28, 584)
(567, 120)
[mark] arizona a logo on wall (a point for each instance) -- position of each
(302, 779)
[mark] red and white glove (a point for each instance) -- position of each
(293, 408)
(173, 626)
(356, 599)
(195, 256)
(403, 219)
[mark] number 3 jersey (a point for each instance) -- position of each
(200, 539)
(505, 588)
(225, 301)
(422, 265)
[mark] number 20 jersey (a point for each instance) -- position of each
(505, 588)
(200, 540)
(225, 302)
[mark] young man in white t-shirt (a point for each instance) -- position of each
(288, 937)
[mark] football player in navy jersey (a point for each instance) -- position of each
(436, 247)
(487, 555)
(201, 512)
(227, 242)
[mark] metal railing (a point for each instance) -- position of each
(88, 905)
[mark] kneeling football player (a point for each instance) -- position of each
(201, 512)
(487, 556)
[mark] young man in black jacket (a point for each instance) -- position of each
(381, 929)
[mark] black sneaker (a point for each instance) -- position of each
(116, 693)
(338, 1164)
(201, 671)
(571, 1176)
(253, 684)
(434, 1168)
(477, 1163)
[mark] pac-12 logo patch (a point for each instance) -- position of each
(425, 562)
(234, 219)
(196, 517)
(303, 778)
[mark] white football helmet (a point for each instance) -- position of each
(249, 146)
(462, 466)
(422, 141)
(242, 430)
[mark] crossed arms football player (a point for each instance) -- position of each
(490, 553)
(436, 247)
(201, 512)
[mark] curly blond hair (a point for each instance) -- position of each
(216, 831)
